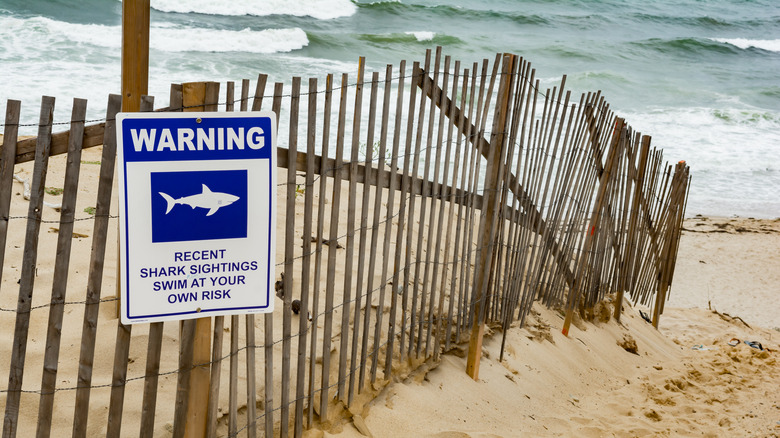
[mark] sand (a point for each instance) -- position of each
(682, 380)
(685, 379)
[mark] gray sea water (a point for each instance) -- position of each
(700, 76)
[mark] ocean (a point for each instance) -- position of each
(702, 77)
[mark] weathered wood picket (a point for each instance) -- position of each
(447, 198)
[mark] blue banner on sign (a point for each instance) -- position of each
(199, 205)
(196, 138)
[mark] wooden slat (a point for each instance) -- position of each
(333, 237)
(230, 96)
(322, 194)
(369, 158)
(465, 214)
(11, 130)
(303, 311)
(444, 201)
(234, 328)
(233, 385)
(408, 277)
(276, 106)
(456, 271)
(289, 257)
(151, 378)
(346, 296)
(400, 227)
(359, 293)
(176, 98)
(187, 330)
(257, 101)
(375, 234)
(61, 264)
(419, 288)
(212, 413)
(251, 344)
(96, 263)
(436, 222)
(244, 94)
(122, 349)
(118, 380)
(19, 347)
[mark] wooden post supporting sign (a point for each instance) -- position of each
(135, 53)
(489, 217)
(135, 72)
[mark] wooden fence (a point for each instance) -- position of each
(416, 207)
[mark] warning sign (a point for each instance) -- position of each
(197, 214)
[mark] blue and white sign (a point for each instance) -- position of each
(197, 208)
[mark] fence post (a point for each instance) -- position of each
(135, 53)
(489, 216)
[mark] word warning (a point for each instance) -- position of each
(197, 214)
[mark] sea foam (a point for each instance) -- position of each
(45, 32)
(744, 43)
(422, 36)
(213, 40)
(731, 151)
(319, 9)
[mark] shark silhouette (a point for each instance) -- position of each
(213, 201)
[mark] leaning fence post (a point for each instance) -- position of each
(7, 158)
(27, 280)
(487, 221)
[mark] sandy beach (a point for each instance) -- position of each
(695, 376)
